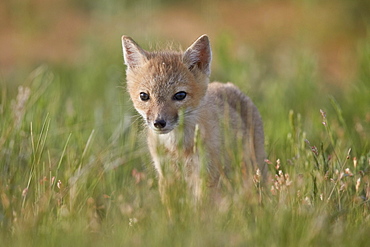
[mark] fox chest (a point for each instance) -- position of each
(175, 144)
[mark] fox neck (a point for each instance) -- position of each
(181, 138)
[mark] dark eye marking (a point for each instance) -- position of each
(144, 96)
(179, 96)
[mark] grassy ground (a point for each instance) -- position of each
(76, 171)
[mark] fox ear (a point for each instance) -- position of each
(199, 55)
(133, 54)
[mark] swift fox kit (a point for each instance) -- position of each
(171, 91)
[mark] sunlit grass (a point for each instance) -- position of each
(75, 169)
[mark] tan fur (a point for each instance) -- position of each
(213, 109)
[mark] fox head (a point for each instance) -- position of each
(164, 84)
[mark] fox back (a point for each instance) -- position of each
(169, 87)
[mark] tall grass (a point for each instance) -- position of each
(75, 169)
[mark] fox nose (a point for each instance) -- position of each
(159, 124)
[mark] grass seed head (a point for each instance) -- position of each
(19, 106)
(348, 172)
(24, 192)
(358, 182)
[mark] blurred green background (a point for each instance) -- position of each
(62, 32)
(69, 32)
(74, 167)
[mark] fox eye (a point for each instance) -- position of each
(179, 96)
(144, 96)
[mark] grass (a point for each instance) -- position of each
(75, 169)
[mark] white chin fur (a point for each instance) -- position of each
(163, 131)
